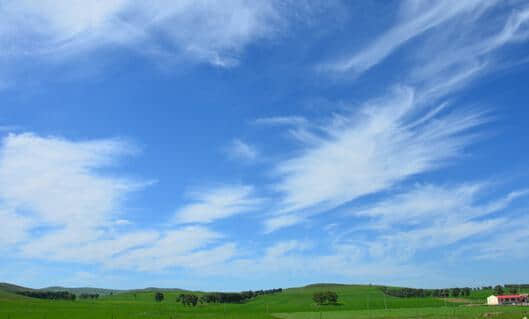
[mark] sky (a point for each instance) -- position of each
(234, 145)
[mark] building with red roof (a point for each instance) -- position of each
(507, 299)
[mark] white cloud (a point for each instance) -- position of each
(215, 32)
(85, 245)
(186, 247)
(15, 228)
(241, 150)
(274, 223)
(289, 259)
(513, 231)
(429, 216)
(387, 141)
(280, 249)
(57, 180)
(218, 203)
(416, 18)
(455, 43)
(425, 203)
(56, 185)
(454, 55)
(282, 120)
(54, 192)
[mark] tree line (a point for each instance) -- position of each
(235, 297)
(218, 297)
(89, 296)
(512, 288)
(412, 292)
(51, 295)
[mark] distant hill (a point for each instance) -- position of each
(6, 287)
(83, 290)
(13, 288)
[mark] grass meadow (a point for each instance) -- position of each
(363, 302)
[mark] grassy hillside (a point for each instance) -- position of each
(355, 301)
(463, 312)
(12, 288)
(141, 304)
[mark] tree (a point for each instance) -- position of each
(466, 291)
(192, 300)
(158, 297)
(326, 297)
(319, 298)
(332, 297)
(456, 292)
(498, 290)
(189, 300)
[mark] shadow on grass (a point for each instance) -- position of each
(331, 304)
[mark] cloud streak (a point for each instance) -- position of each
(243, 151)
(198, 31)
(416, 18)
(58, 205)
(383, 143)
(218, 203)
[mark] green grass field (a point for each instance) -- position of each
(296, 303)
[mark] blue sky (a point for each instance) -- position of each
(256, 144)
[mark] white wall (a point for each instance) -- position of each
(492, 300)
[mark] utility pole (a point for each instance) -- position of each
(368, 309)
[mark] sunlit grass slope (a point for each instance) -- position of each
(354, 301)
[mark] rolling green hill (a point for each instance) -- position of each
(12, 288)
(355, 301)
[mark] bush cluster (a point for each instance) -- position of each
(188, 299)
(325, 297)
(51, 295)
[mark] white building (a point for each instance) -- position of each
(507, 300)
(492, 300)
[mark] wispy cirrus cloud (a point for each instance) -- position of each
(200, 31)
(187, 247)
(385, 142)
(494, 248)
(415, 19)
(453, 42)
(431, 216)
(242, 151)
(220, 202)
(58, 204)
(56, 180)
(52, 184)
(281, 120)
(425, 203)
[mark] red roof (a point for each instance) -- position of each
(511, 296)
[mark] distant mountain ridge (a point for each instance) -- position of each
(13, 288)
(7, 287)
(83, 290)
